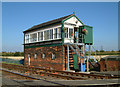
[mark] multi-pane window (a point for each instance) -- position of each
(51, 34)
(70, 32)
(45, 35)
(66, 32)
(59, 33)
(55, 33)
(33, 37)
(26, 38)
(48, 34)
(40, 36)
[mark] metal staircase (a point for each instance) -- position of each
(78, 51)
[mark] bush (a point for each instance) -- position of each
(102, 51)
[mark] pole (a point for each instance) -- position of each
(68, 56)
(84, 52)
(88, 58)
(81, 65)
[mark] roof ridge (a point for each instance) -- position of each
(54, 19)
(49, 22)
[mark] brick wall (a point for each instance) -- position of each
(109, 65)
(47, 62)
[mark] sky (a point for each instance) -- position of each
(19, 16)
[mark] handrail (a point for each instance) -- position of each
(75, 51)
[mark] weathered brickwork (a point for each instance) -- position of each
(59, 63)
(109, 65)
(47, 62)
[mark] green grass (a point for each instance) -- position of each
(11, 63)
(105, 53)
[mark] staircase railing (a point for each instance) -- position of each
(75, 51)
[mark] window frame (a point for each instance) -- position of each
(40, 36)
(35, 56)
(67, 33)
(43, 57)
(32, 39)
(53, 56)
(43, 35)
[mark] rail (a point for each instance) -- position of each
(55, 73)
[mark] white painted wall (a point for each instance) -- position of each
(68, 23)
(73, 20)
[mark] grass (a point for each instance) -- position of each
(105, 53)
(11, 63)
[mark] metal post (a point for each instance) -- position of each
(81, 65)
(68, 55)
(89, 58)
(82, 38)
(84, 52)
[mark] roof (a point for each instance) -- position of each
(59, 20)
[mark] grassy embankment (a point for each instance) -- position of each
(105, 53)
(12, 54)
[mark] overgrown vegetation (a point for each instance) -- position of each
(12, 54)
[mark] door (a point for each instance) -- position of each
(28, 59)
(75, 35)
(75, 61)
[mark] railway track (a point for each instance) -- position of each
(55, 73)
(18, 75)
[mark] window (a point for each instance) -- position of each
(43, 55)
(45, 35)
(55, 33)
(53, 56)
(59, 32)
(70, 32)
(48, 34)
(66, 32)
(26, 38)
(28, 55)
(40, 36)
(35, 55)
(33, 37)
(51, 34)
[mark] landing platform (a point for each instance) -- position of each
(82, 83)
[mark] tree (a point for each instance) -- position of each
(102, 51)
(17, 54)
(97, 51)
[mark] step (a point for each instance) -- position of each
(71, 63)
(71, 60)
(71, 66)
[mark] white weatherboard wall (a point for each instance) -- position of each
(74, 20)
(71, 23)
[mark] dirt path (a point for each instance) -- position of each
(13, 57)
